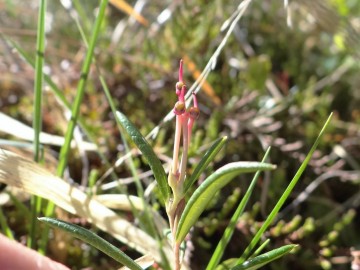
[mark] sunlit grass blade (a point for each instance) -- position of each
(145, 148)
(38, 82)
(220, 248)
(284, 196)
(202, 196)
(204, 162)
(265, 258)
(37, 114)
(94, 240)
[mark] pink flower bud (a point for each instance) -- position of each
(179, 108)
(194, 113)
(179, 86)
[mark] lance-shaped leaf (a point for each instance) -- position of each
(201, 197)
(94, 240)
(225, 239)
(204, 162)
(264, 259)
(147, 151)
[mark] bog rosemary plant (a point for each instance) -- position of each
(176, 187)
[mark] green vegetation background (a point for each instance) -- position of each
(273, 84)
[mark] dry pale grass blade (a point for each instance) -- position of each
(125, 7)
(144, 261)
(32, 178)
(127, 203)
(17, 129)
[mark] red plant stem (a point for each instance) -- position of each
(182, 93)
(177, 256)
(189, 129)
(195, 100)
(185, 148)
(177, 144)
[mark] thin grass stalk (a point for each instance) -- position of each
(37, 116)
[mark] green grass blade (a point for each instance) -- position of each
(37, 114)
(220, 248)
(145, 148)
(285, 195)
(38, 82)
(201, 197)
(94, 240)
(208, 157)
(260, 249)
(81, 89)
(265, 258)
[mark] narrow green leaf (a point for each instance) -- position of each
(35, 201)
(265, 258)
(220, 248)
(145, 148)
(283, 197)
(208, 157)
(94, 240)
(207, 190)
(38, 80)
